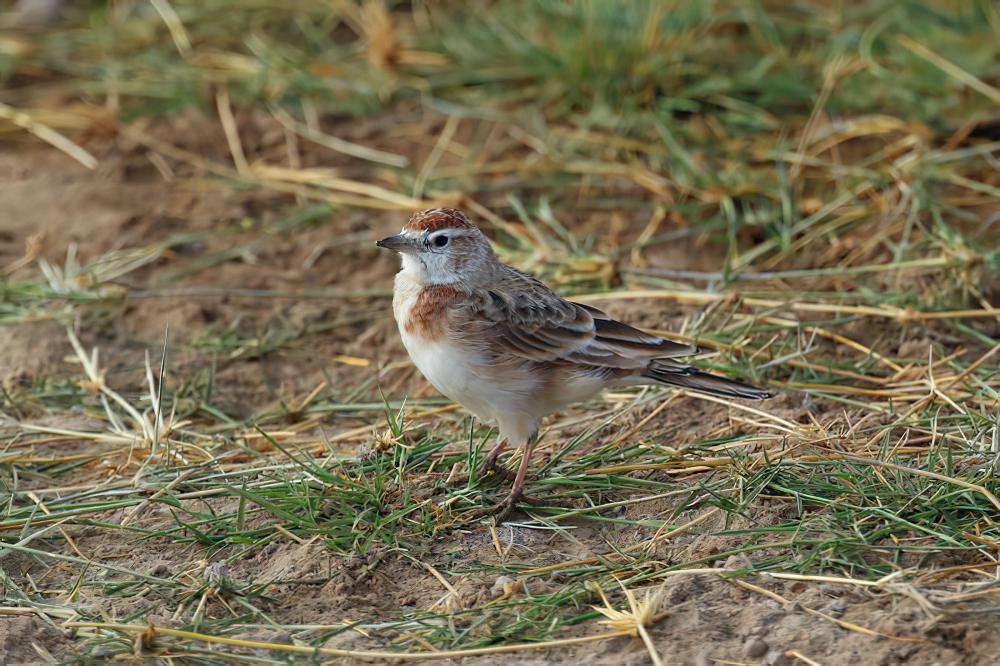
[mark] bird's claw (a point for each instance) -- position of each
(484, 469)
(502, 510)
(490, 466)
(505, 509)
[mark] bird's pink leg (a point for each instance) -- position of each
(503, 510)
(517, 490)
(489, 463)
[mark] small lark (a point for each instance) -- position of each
(507, 347)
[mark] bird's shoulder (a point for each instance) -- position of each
(517, 298)
(518, 314)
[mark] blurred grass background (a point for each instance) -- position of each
(814, 184)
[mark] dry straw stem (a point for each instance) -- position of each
(836, 337)
(703, 298)
(950, 68)
(801, 657)
(232, 133)
(26, 122)
(318, 184)
(149, 632)
(837, 579)
(334, 143)
(174, 24)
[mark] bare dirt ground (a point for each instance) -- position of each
(126, 203)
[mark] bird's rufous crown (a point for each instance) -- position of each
(434, 219)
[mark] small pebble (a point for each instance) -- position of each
(836, 607)
(776, 658)
(771, 618)
(738, 562)
(217, 573)
(500, 584)
(830, 590)
(157, 620)
(160, 568)
(755, 648)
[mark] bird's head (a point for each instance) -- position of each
(441, 246)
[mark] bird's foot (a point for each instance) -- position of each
(503, 510)
(484, 469)
(490, 466)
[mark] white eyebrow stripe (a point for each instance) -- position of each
(451, 232)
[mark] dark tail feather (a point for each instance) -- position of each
(702, 382)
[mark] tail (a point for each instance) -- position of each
(664, 372)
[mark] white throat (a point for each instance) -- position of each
(411, 266)
(421, 269)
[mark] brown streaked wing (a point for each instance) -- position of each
(522, 318)
(618, 333)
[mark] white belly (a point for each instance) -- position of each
(450, 369)
(453, 372)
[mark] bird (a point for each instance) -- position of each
(510, 350)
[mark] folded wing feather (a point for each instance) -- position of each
(524, 319)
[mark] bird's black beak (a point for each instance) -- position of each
(399, 243)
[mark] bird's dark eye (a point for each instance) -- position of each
(440, 241)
